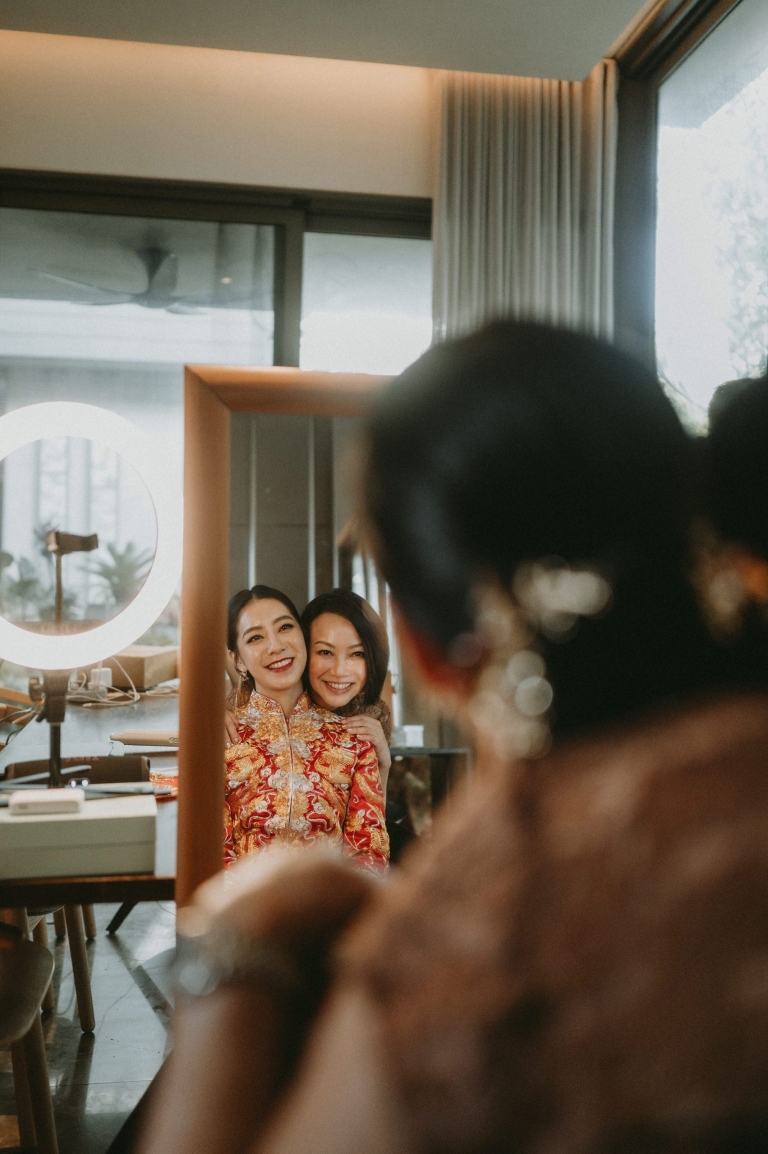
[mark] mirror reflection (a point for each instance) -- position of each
(298, 556)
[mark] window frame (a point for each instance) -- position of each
(292, 212)
(670, 32)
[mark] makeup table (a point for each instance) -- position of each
(85, 733)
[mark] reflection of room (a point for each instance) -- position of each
(75, 486)
(320, 190)
(292, 494)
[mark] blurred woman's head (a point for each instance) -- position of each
(265, 641)
(738, 456)
(524, 445)
(348, 651)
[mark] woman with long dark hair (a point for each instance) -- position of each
(294, 774)
(347, 660)
(577, 962)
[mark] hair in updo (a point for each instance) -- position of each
(369, 628)
(523, 443)
(236, 606)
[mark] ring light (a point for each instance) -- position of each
(67, 419)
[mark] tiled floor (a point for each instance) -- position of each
(97, 1079)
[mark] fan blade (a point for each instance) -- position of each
(82, 284)
(163, 281)
(184, 310)
(120, 299)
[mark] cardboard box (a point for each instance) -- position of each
(146, 665)
(110, 836)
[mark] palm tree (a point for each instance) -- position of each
(26, 590)
(124, 575)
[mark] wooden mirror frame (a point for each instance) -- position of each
(210, 395)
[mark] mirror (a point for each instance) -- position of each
(278, 442)
(216, 447)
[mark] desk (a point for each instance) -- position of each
(85, 733)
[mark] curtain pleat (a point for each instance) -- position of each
(524, 210)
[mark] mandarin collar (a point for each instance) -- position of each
(268, 705)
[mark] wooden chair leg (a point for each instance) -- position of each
(40, 935)
(17, 916)
(27, 1136)
(40, 1089)
(89, 921)
(80, 972)
(59, 924)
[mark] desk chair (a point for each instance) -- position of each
(79, 922)
(25, 975)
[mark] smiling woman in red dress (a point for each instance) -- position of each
(296, 775)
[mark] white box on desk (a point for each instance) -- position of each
(111, 836)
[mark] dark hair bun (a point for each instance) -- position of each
(518, 443)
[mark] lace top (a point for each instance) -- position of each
(578, 962)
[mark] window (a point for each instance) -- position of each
(108, 287)
(106, 309)
(712, 238)
(366, 302)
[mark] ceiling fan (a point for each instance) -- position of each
(162, 268)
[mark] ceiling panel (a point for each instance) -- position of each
(553, 38)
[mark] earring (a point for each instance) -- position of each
(513, 695)
(718, 581)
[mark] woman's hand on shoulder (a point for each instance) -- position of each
(231, 734)
(370, 729)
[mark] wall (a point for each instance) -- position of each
(111, 107)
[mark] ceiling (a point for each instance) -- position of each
(552, 38)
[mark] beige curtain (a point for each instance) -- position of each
(524, 211)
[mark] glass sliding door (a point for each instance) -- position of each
(712, 239)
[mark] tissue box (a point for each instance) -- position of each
(146, 665)
(110, 836)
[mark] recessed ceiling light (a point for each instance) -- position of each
(226, 280)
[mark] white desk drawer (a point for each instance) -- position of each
(110, 836)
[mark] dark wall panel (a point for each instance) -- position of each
(282, 486)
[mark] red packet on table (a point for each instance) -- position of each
(168, 778)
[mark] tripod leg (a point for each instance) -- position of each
(120, 917)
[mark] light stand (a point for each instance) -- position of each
(55, 683)
(54, 687)
(60, 544)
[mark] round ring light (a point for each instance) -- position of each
(150, 460)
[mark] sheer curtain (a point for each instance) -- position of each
(524, 212)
